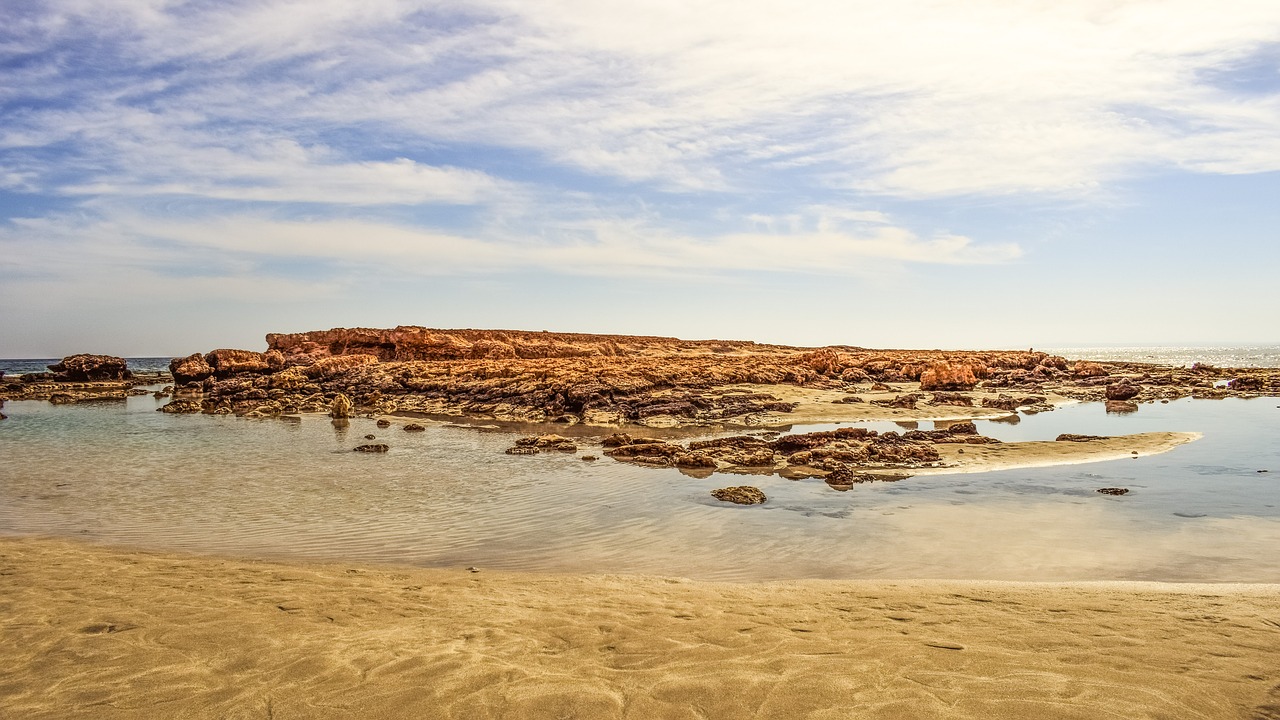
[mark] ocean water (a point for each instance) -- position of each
(1237, 356)
(1220, 356)
(24, 366)
(122, 473)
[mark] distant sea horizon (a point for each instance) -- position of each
(1242, 356)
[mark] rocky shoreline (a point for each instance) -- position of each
(613, 381)
(610, 380)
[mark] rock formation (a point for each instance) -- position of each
(656, 381)
(740, 495)
(88, 368)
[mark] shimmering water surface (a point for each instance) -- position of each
(123, 473)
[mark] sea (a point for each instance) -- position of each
(122, 474)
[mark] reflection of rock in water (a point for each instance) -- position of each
(1013, 419)
(907, 424)
(1122, 407)
(340, 427)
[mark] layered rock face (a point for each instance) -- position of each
(410, 342)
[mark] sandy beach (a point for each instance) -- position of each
(110, 633)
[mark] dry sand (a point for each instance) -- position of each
(102, 633)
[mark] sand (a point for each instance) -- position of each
(819, 406)
(959, 458)
(95, 632)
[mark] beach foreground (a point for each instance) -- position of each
(108, 633)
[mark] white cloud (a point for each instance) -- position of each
(233, 245)
(914, 98)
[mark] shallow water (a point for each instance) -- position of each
(123, 473)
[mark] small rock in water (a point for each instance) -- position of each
(1114, 491)
(593, 458)
(370, 437)
(372, 448)
(522, 450)
(341, 407)
(413, 427)
(740, 495)
(384, 423)
(2, 417)
(473, 569)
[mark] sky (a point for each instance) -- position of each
(179, 176)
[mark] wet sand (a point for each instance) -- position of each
(108, 633)
(959, 458)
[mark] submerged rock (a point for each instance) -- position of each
(1072, 437)
(182, 406)
(414, 427)
(740, 495)
(1114, 491)
(372, 448)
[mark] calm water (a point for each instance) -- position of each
(1220, 356)
(23, 366)
(123, 473)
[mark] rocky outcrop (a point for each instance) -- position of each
(542, 443)
(608, 380)
(340, 408)
(1122, 390)
(414, 343)
(740, 495)
(88, 368)
(227, 363)
(190, 369)
(944, 375)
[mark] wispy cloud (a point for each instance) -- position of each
(911, 99)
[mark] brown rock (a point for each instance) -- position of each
(182, 406)
(1122, 390)
(740, 495)
(329, 367)
(89, 368)
(693, 460)
(1070, 437)
(1114, 491)
(226, 362)
(1084, 369)
(192, 368)
(372, 448)
(383, 423)
(413, 427)
(341, 407)
(944, 375)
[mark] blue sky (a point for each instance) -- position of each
(178, 176)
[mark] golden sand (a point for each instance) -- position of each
(91, 632)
